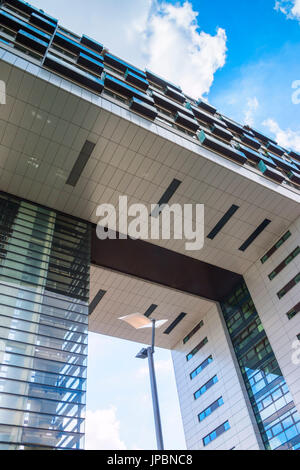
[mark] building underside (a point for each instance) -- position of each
(231, 306)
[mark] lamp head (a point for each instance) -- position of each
(137, 321)
(143, 354)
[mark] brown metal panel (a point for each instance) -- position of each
(162, 266)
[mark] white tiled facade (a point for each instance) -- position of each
(281, 331)
(243, 433)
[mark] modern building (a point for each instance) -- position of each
(79, 127)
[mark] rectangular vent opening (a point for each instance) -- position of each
(80, 163)
(150, 310)
(222, 222)
(174, 323)
(166, 197)
(96, 300)
(254, 235)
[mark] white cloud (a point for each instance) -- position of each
(154, 34)
(286, 138)
(249, 112)
(179, 51)
(103, 430)
(290, 8)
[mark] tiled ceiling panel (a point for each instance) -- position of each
(45, 124)
(125, 295)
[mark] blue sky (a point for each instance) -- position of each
(243, 56)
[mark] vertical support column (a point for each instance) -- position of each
(44, 293)
(278, 311)
(275, 412)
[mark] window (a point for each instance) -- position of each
(115, 96)
(196, 349)
(201, 367)
(293, 312)
(205, 387)
(68, 33)
(56, 48)
(216, 433)
(289, 286)
(194, 330)
(284, 263)
(248, 334)
(210, 409)
(284, 429)
(275, 247)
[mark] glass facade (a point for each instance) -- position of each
(44, 294)
(275, 412)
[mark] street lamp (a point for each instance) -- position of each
(138, 321)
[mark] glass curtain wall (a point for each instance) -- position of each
(44, 293)
(272, 403)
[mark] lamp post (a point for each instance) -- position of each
(140, 321)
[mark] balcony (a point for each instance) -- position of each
(247, 139)
(41, 22)
(261, 136)
(119, 64)
(124, 89)
(250, 154)
(222, 148)
(74, 46)
(274, 148)
(136, 80)
(152, 77)
(31, 41)
(233, 126)
(170, 105)
(96, 46)
(220, 131)
(268, 160)
(29, 9)
(74, 73)
(294, 155)
(294, 177)
(143, 108)
(186, 121)
(205, 116)
(207, 107)
(297, 164)
(15, 24)
(91, 64)
(271, 172)
(174, 94)
(285, 165)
